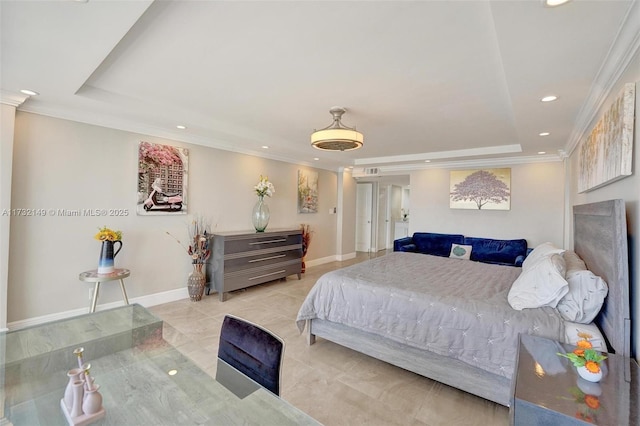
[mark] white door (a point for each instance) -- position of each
(364, 198)
(383, 234)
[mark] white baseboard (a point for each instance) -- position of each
(346, 256)
(329, 259)
(146, 301)
(320, 261)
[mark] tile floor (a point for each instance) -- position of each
(333, 384)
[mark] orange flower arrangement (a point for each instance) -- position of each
(584, 355)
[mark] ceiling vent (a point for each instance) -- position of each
(371, 171)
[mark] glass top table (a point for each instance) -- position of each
(548, 390)
(143, 379)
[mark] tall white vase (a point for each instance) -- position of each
(74, 376)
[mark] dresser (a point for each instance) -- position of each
(243, 259)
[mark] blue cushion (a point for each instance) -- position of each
(503, 252)
(407, 247)
(251, 350)
(401, 244)
(436, 244)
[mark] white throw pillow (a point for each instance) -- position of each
(574, 262)
(540, 251)
(460, 251)
(584, 300)
(571, 330)
(541, 284)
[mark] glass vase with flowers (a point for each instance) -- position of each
(261, 215)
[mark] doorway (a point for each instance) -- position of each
(380, 206)
(364, 214)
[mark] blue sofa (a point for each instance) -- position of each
(500, 252)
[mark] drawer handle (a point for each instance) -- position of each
(267, 258)
(266, 275)
(268, 242)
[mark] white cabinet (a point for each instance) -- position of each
(401, 230)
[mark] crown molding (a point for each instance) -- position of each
(470, 152)
(359, 172)
(622, 51)
(159, 132)
(12, 98)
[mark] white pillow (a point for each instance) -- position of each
(540, 251)
(586, 295)
(574, 262)
(460, 251)
(571, 330)
(541, 284)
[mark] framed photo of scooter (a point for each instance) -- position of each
(162, 179)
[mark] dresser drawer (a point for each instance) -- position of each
(260, 242)
(254, 259)
(248, 277)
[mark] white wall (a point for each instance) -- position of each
(347, 214)
(61, 164)
(537, 204)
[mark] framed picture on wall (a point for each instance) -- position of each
(307, 191)
(607, 153)
(488, 189)
(162, 179)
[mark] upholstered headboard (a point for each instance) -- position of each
(600, 238)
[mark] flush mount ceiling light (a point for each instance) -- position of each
(337, 137)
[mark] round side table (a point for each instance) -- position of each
(93, 276)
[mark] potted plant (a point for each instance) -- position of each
(586, 359)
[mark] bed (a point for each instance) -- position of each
(465, 300)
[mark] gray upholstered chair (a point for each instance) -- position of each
(252, 350)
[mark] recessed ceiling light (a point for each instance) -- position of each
(549, 98)
(316, 158)
(554, 3)
(544, 134)
(427, 161)
(29, 92)
(542, 152)
(265, 146)
(172, 372)
(181, 127)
